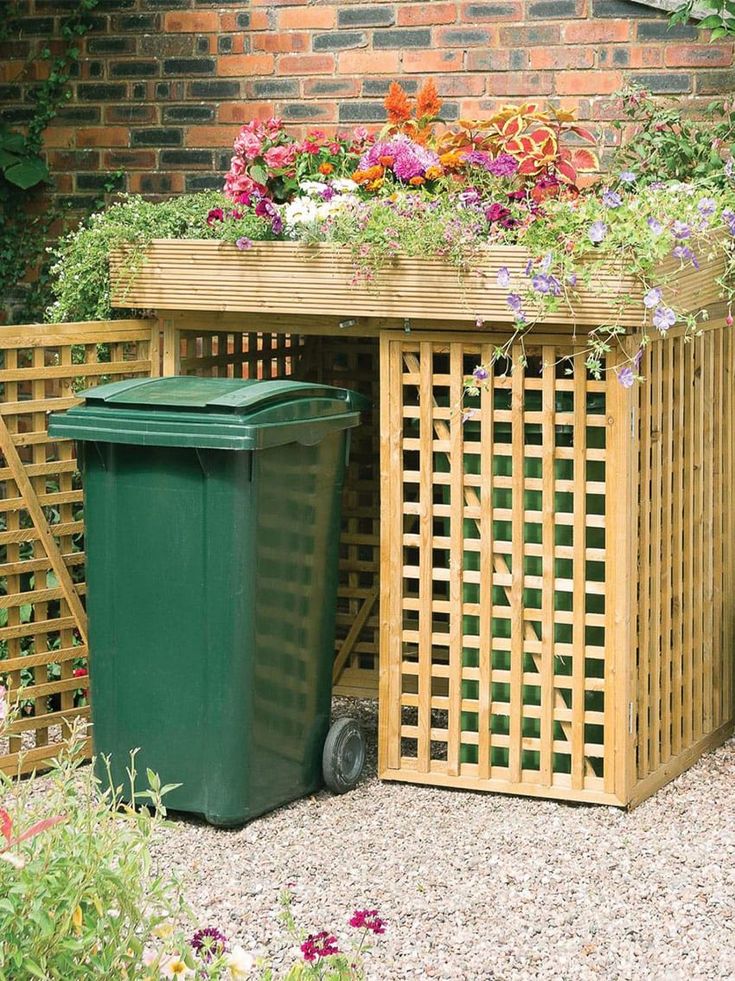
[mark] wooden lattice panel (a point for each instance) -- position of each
(227, 354)
(685, 620)
(42, 620)
(352, 362)
(494, 670)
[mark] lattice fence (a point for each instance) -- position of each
(495, 645)
(685, 660)
(334, 360)
(43, 653)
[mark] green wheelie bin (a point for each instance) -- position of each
(212, 512)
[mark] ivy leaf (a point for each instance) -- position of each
(27, 173)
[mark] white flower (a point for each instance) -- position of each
(16, 860)
(343, 184)
(313, 187)
(240, 962)
(175, 967)
(300, 211)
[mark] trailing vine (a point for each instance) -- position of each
(720, 19)
(24, 175)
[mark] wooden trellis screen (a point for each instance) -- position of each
(518, 652)
(42, 620)
(350, 362)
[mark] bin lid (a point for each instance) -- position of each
(215, 413)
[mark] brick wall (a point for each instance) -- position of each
(163, 85)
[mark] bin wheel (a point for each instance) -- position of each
(344, 755)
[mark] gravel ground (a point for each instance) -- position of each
(477, 886)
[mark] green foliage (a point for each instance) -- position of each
(24, 227)
(81, 283)
(720, 20)
(78, 898)
(668, 144)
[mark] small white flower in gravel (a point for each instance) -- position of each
(240, 962)
(16, 860)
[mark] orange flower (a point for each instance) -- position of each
(451, 159)
(417, 181)
(396, 105)
(365, 176)
(428, 103)
(326, 169)
(386, 161)
(375, 185)
(433, 172)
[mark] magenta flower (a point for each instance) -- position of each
(209, 943)
(318, 945)
(215, 215)
(409, 158)
(503, 165)
(368, 919)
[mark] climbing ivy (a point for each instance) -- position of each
(719, 19)
(24, 176)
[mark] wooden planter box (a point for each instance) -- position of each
(288, 278)
(556, 572)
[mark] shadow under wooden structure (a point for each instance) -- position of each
(545, 582)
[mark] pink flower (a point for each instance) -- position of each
(409, 158)
(279, 157)
(368, 919)
(248, 144)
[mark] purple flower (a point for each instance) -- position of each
(516, 304)
(209, 943)
(477, 158)
(680, 229)
(503, 165)
(728, 216)
(470, 197)
(663, 318)
(504, 277)
(611, 199)
(628, 177)
(655, 225)
(626, 376)
(480, 374)
(730, 168)
(707, 207)
(328, 193)
(529, 267)
(409, 158)
(545, 283)
(244, 243)
(266, 209)
(684, 253)
(652, 298)
(597, 232)
(572, 279)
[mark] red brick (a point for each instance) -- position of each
(520, 83)
(310, 64)
(313, 18)
(261, 20)
(696, 55)
(106, 136)
(191, 21)
(421, 14)
(432, 61)
(244, 112)
(211, 136)
(244, 65)
(598, 31)
(588, 83)
(570, 56)
(460, 85)
(645, 55)
(369, 63)
(492, 60)
(280, 42)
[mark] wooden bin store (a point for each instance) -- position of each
(549, 576)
